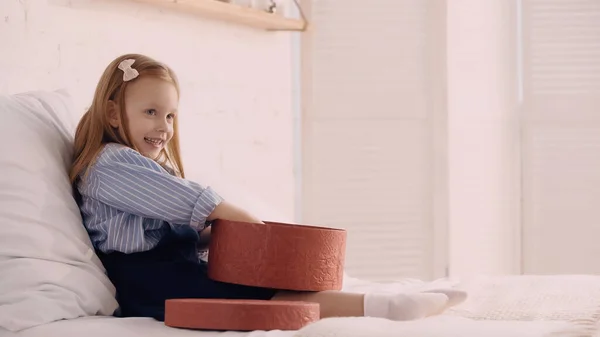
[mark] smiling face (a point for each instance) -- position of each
(150, 108)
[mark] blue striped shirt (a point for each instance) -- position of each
(129, 202)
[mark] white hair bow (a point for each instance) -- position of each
(128, 72)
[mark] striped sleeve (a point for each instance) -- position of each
(130, 182)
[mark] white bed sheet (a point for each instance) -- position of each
(440, 326)
(131, 327)
(485, 315)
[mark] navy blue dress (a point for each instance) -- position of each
(145, 280)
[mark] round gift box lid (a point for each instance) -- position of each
(239, 315)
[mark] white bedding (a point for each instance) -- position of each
(442, 326)
(130, 327)
(565, 306)
(439, 326)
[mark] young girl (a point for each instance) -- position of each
(146, 220)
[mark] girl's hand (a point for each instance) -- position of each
(204, 238)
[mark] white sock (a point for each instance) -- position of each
(455, 296)
(404, 307)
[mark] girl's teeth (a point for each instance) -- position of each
(153, 141)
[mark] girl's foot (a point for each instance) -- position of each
(455, 297)
(406, 306)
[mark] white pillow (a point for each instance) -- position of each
(48, 270)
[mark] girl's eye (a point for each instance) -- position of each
(171, 116)
(151, 112)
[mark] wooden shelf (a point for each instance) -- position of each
(218, 10)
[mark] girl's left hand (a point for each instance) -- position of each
(204, 238)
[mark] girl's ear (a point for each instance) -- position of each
(113, 114)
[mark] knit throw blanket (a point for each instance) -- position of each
(498, 306)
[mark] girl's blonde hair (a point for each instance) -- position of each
(94, 129)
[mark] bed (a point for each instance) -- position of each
(52, 283)
(438, 326)
(509, 306)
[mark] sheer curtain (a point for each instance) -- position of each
(561, 135)
(373, 97)
(413, 138)
(411, 134)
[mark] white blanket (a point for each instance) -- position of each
(531, 297)
(439, 326)
(508, 306)
(498, 306)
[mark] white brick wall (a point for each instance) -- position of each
(236, 82)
